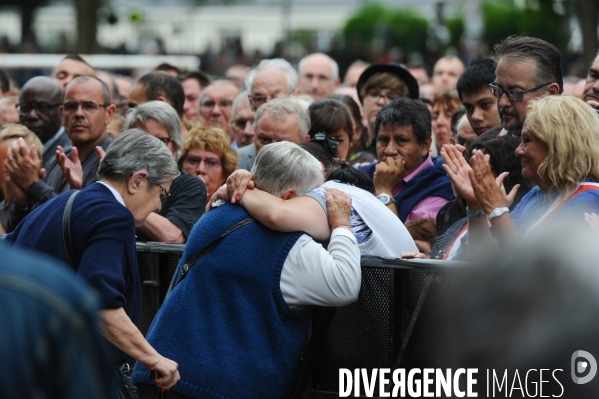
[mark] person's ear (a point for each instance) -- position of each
(553, 89)
(110, 110)
(289, 194)
(426, 146)
(307, 138)
(135, 182)
(163, 99)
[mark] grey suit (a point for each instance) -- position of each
(62, 139)
(247, 155)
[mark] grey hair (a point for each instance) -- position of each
(243, 96)
(161, 112)
(276, 63)
(334, 66)
(285, 166)
(280, 107)
(461, 121)
(135, 150)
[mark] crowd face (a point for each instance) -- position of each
(268, 84)
(343, 138)
(156, 129)
(400, 142)
(316, 77)
(39, 108)
(243, 123)
(191, 107)
(353, 75)
(84, 114)
(9, 114)
(591, 87)
(376, 98)
(533, 152)
(515, 75)
(270, 131)
(68, 70)
(207, 166)
(216, 102)
(446, 73)
(465, 135)
(481, 110)
(137, 95)
(442, 123)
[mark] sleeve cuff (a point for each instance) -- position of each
(342, 231)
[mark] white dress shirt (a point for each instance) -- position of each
(312, 275)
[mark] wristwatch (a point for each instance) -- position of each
(474, 214)
(497, 212)
(385, 198)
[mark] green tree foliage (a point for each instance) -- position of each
(394, 27)
(504, 19)
(455, 26)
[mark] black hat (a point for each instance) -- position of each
(394, 69)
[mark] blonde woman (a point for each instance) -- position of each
(207, 154)
(560, 155)
(16, 204)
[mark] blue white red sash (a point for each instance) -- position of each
(456, 248)
(557, 205)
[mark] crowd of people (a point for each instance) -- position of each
(277, 181)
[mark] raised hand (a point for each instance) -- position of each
(71, 168)
(457, 169)
(338, 208)
(23, 164)
(486, 187)
(237, 183)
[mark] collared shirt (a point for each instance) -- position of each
(116, 194)
(51, 142)
(428, 207)
(312, 275)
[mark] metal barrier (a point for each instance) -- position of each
(391, 325)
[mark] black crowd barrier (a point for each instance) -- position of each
(391, 325)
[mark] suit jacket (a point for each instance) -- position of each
(247, 155)
(49, 153)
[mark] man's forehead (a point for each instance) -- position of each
(89, 89)
(273, 79)
(220, 90)
(73, 66)
(320, 65)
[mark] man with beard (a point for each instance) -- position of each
(216, 101)
(527, 68)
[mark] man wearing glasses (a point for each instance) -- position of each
(242, 120)
(216, 101)
(527, 68)
(85, 111)
(39, 111)
(270, 79)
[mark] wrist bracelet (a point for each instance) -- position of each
(475, 214)
(497, 212)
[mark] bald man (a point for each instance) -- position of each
(319, 76)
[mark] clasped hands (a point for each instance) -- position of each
(475, 182)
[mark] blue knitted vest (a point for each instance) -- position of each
(226, 323)
(431, 182)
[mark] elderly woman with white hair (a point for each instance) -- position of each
(237, 272)
(187, 198)
(93, 230)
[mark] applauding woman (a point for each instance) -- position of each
(560, 155)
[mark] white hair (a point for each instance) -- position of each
(334, 66)
(276, 63)
(284, 166)
(162, 113)
(279, 108)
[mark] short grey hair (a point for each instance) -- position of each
(135, 150)
(161, 112)
(279, 108)
(334, 66)
(243, 96)
(285, 166)
(276, 63)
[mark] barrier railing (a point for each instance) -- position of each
(391, 325)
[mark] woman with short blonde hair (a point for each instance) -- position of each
(207, 154)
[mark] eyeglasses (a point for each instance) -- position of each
(387, 96)
(512, 95)
(164, 192)
(88, 107)
(241, 123)
(165, 140)
(211, 163)
(260, 99)
(225, 103)
(41, 107)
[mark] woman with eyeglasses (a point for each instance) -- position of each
(207, 154)
(560, 155)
